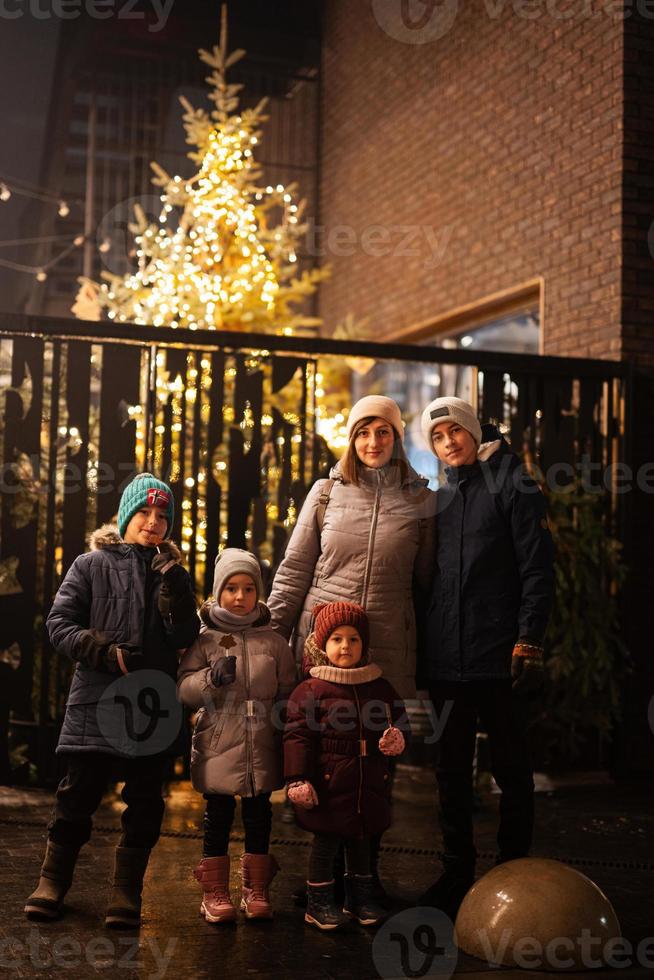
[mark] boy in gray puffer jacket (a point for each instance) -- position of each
(122, 613)
(234, 673)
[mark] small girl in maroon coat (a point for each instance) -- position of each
(335, 760)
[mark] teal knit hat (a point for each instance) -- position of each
(145, 491)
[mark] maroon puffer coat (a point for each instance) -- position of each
(333, 726)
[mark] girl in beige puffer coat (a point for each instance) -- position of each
(366, 535)
(235, 673)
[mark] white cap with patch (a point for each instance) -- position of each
(450, 409)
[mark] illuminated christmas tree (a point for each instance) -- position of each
(225, 250)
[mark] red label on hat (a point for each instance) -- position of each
(158, 498)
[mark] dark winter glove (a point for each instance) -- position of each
(128, 657)
(91, 650)
(527, 669)
(223, 671)
(176, 601)
(96, 652)
(175, 577)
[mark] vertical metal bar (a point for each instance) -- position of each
(43, 748)
(89, 208)
(150, 408)
(195, 461)
(216, 395)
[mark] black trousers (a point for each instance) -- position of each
(504, 717)
(81, 790)
(256, 813)
(324, 850)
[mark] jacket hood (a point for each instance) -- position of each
(488, 449)
(412, 478)
(262, 620)
(108, 536)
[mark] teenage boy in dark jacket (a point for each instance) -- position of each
(492, 595)
(124, 608)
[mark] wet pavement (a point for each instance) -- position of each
(603, 829)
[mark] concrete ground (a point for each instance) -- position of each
(604, 830)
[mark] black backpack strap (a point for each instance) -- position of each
(323, 500)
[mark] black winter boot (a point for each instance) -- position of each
(45, 903)
(124, 911)
(322, 910)
(451, 888)
(360, 903)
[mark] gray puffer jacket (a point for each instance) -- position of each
(376, 548)
(237, 741)
(113, 591)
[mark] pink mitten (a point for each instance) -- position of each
(302, 795)
(392, 742)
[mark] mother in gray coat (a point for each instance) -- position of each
(366, 535)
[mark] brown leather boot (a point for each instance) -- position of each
(257, 871)
(124, 911)
(213, 875)
(45, 903)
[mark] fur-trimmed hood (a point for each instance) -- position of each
(108, 536)
(488, 449)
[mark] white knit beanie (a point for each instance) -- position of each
(378, 407)
(236, 561)
(450, 409)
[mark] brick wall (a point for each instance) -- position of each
(638, 347)
(638, 193)
(498, 145)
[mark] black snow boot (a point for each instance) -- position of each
(360, 903)
(322, 910)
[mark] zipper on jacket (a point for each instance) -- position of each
(356, 698)
(371, 544)
(249, 754)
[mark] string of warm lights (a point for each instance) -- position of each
(40, 272)
(43, 240)
(11, 185)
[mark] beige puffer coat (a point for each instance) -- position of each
(237, 747)
(377, 546)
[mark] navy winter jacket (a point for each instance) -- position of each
(113, 590)
(494, 581)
